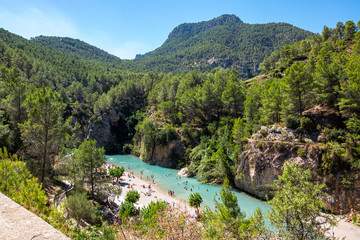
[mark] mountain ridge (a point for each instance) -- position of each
(225, 41)
(75, 47)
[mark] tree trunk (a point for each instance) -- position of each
(92, 179)
(44, 158)
(300, 106)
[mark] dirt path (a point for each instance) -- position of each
(346, 230)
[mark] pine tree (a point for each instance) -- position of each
(297, 83)
(90, 158)
(296, 206)
(44, 131)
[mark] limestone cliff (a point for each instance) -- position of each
(166, 156)
(262, 161)
(113, 129)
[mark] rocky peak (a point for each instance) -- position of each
(190, 29)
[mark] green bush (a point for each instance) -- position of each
(132, 196)
(164, 136)
(126, 210)
(117, 171)
(18, 184)
(152, 209)
(79, 207)
(333, 134)
(307, 125)
(292, 121)
(301, 152)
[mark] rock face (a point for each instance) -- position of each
(167, 156)
(262, 162)
(183, 172)
(110, 129)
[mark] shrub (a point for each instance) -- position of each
(292, 121)
(301, 152)
(333, 134)
(164, 136)
(79, 207)
(126, 210)
(152, 209)
(307, 125)
(132, 196)
(117, 171)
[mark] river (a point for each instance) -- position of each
(166, 179)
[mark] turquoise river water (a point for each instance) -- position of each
(166, 179)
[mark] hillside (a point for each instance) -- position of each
(76, 47)
(224, 41)
(62, 109)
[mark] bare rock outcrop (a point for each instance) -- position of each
(262, 162)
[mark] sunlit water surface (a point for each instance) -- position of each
(166, 179)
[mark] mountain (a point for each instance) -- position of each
(76, 47)
(224, 41)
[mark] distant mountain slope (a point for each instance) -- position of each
(224, 41)
(76, 47)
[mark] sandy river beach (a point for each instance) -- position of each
(130, 181)
(149, 193)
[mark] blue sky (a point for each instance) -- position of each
(127, 27)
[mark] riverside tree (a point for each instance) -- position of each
(195, 200)
(229, 222)
(296, 206)
(44, 131)
(117, 171)
(90, 158)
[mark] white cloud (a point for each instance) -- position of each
(128, 50)
(32, 22)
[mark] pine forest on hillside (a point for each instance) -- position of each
(217, 89)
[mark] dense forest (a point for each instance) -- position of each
(213, 113)
(61, 96)
(224, 41)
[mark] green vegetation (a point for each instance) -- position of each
(195, 200)
(296, 206)
(127, 208)
(75, 47)
(18, 183)
(224, 41)
(89, 158)
(117, 171)
(59, 96)
(44, 130)
(230, 222)
(80, 208)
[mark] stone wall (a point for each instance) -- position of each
(18, 223)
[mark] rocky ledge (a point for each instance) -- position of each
(263, 160)
(18, 223)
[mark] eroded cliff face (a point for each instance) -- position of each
(112, 129)
(262, 162)
(168, 155)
